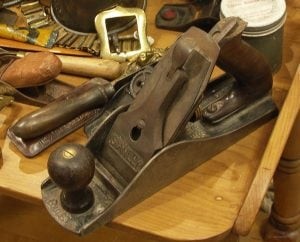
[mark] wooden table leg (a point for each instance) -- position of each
(284, 222)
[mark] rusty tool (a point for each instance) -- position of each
(132, 152)
(92, 94)
(126, 145)
(86, 97)
(87, 92)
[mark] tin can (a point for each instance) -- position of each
(265, 27)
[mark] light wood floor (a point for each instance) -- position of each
(23, 222)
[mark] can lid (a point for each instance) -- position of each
(261, 15)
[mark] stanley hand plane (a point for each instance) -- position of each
(166, 121)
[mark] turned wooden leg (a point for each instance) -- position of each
(284, 222)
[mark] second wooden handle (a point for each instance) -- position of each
(90, 67)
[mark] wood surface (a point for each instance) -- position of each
(284, 222)
(14, 227)
(292, 151)
(202, 205)
(270, 159)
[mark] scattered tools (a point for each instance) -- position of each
(30, 79)
(41, 37)
(82, 66)
(38, 15)
(50, 123)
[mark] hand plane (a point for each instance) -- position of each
(146, 141)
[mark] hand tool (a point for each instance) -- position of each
(92, 94)
(82, 66)
(35, 69)
(33, 146)
(125, 159)
(88, 96)
(30, 80)
(90, 67)
(126, 145)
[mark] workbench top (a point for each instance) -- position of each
(179, 210)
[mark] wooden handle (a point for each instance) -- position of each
(35, 69)
(90, 67)
(90, 95)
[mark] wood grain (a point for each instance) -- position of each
(270, 158)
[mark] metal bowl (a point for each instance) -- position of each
(78, 15)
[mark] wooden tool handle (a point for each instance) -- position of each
(247, 65)
(90, 95)
(90, 67)
(35, 69)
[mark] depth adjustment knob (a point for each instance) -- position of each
(72, 167)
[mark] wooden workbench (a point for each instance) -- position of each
(179, 211)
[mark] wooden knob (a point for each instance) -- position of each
(72, 168)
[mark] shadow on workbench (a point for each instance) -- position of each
(24, 222)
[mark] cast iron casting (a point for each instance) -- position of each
(146, 140)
